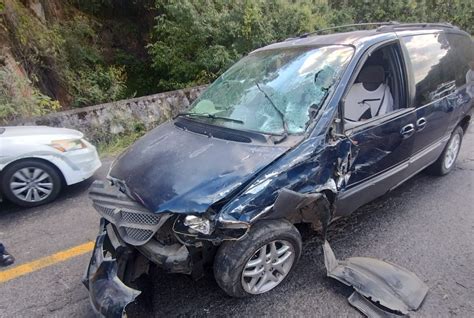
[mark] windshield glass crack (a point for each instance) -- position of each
(274, 92)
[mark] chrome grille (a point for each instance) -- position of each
(134, 224)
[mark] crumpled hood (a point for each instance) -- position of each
(173, 170)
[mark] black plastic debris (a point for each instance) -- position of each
(108, 294)
(370, 309)
(377, 284)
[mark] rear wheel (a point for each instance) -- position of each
(447, 159)
(30, 183)
(260, 261)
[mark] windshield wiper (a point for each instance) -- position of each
(280, 113)
(315, 108)
(207, 115)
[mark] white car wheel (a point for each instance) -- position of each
(31, 182)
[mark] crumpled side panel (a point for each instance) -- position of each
(313, 208)
(307, 170)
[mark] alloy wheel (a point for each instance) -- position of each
(31, 184)
(268, 267)
(452, 151)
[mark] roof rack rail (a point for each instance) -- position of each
(304, 35)
(395, 26)
(381, 27)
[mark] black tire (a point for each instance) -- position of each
(438, 168)
(8, 176)
(232, 256)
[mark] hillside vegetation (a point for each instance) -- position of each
(59, 54)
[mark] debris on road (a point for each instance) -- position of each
(377, 284)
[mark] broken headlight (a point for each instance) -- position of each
(198, 224)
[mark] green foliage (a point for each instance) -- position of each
(34, 41)
(87, 77)
(123, 8)
(66, 53)
(83, 70)
(93, 52)
(457, 12)
(19, 99)
(93, 6)
(96, 85)
(194, 41)
(141, 80)
(79, 41)
(119, 142)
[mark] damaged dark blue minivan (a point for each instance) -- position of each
(302, 131)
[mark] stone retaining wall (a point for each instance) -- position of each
(100, 123)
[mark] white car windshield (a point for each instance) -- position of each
(273, 91)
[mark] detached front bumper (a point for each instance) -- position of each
(108, 294)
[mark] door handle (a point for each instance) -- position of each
(407, 131)
(421, 123)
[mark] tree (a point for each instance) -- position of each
(195, 41)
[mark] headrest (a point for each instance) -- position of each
(371, 74)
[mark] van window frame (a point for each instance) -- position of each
(404, 100)
(411, 73)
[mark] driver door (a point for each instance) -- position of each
(381, 148)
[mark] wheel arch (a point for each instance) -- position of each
(464, 123)
(232, 256)
(45, 161)
(299, 208)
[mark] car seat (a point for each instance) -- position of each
(369, 96)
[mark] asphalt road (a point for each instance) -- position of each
(426, 225)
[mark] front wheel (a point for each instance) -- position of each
(260, 261)
(446, 160)
(30, 183)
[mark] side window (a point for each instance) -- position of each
(464, 48)
(432, 59)
(379, 88)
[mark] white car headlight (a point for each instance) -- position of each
(198, 224)
(68, 144)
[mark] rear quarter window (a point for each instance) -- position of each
(463, 48)
(434, 63)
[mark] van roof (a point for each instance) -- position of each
(359, 37)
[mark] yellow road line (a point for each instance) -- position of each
(38, 264)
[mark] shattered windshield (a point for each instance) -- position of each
(273, 91)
